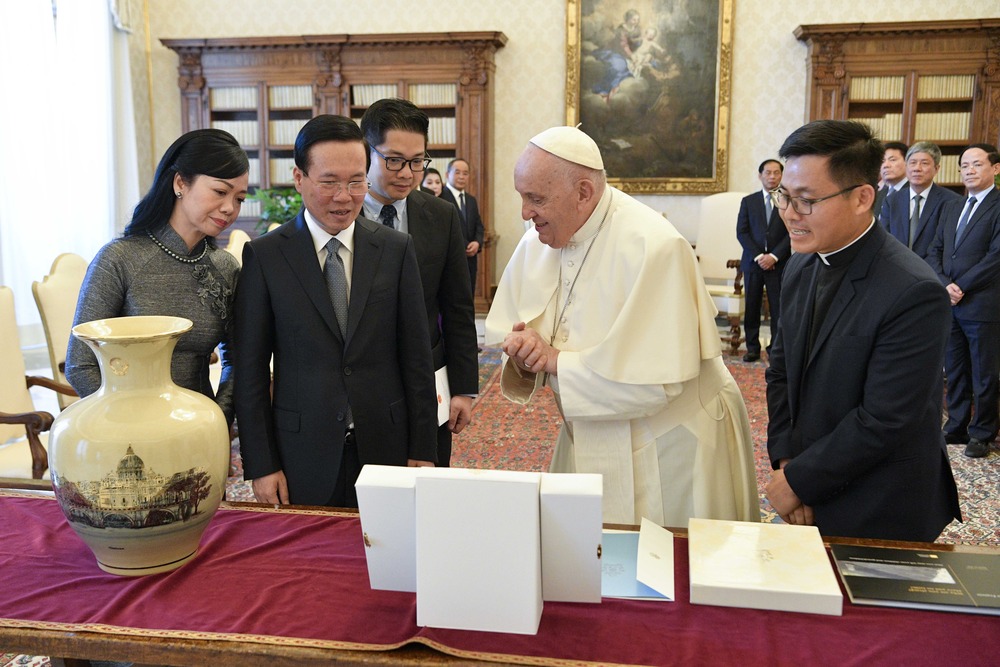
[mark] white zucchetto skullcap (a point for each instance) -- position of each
(572, 144)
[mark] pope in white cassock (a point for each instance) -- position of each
(603, 301)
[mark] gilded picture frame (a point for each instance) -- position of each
(651, 82)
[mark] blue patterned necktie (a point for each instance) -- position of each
(387, 216)
(336, 283)
(965, 219)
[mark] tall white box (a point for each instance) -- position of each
(571, 537)
(761, 566)
(478, 550)
(386, 502)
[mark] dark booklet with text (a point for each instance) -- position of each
(923, 579)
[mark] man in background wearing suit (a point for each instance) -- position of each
(966, 257)
(396, 132)
(336, 300)
(853, 396)
(765, 250)
(911, 215)
(892, 172)
(468, 209)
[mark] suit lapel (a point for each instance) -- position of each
(931, 201)
(367, 255)
(982, 211)
(300, 253)
(798, 309)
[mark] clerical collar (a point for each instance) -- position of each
(844, 255)
(593, 224)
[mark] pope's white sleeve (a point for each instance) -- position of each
(586, 395)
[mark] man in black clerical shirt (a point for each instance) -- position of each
(853, 397)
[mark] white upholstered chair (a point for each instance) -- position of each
(56, 297)
(719, 253)
(237, 239)
(23, 430)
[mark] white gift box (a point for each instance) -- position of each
(571, 537)
(386, 502)
(478, 550)
(761, 566)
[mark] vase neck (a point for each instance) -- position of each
(137, 364)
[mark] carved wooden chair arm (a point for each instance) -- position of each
(34, 423)
(59, 387)
(738, 282)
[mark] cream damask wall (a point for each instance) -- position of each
(768, 69)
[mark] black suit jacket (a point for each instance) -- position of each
(860, 416)
(896, 216)
(757, 236)
(383, 368)
(451, 317)
(974, 264)
(472, 225)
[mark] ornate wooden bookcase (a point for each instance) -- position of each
(912, 81)
(263, 89)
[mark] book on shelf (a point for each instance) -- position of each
(283, 132)
(946, 87)
(919, 578)
(245, 131)
(364, 94)
(943, 126)
(761, 566)
(888, 88)
(234, 99)
(433, 94)
(281, 170)
(290, 97)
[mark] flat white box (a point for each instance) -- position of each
(386, 502)
(479, 550)
(571, 537)
(761, 566)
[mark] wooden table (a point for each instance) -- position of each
(60, 621)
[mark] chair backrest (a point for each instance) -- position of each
(14, 394)
(237, 239)
(717, 242)
(56, 297)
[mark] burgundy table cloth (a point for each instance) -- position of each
(298, 578)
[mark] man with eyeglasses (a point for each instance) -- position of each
(396, 132)
(336, 299)
(966, 257)
(468, 209)
(853, 395)
(912, 213)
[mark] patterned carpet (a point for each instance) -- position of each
(514, 437)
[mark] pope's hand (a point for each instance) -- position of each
(529, 351)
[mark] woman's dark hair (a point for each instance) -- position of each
(207, 152)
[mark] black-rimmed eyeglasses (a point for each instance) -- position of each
(396, 163)
(803, 205)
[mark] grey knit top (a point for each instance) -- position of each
(133, 276)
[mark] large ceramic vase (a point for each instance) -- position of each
(139, 467)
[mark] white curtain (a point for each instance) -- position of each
(68, 168)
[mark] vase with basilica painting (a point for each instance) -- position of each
(139, 466)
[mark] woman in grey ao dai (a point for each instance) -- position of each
(166, 263)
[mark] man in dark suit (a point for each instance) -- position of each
(396, 132)
(911, 215)
(966, 257)
(353, 379)
(892, 173)
(468, 209)
(765, 251)
(853, 396)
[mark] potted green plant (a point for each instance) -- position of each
(277, 205)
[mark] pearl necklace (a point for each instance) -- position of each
(186, 260)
